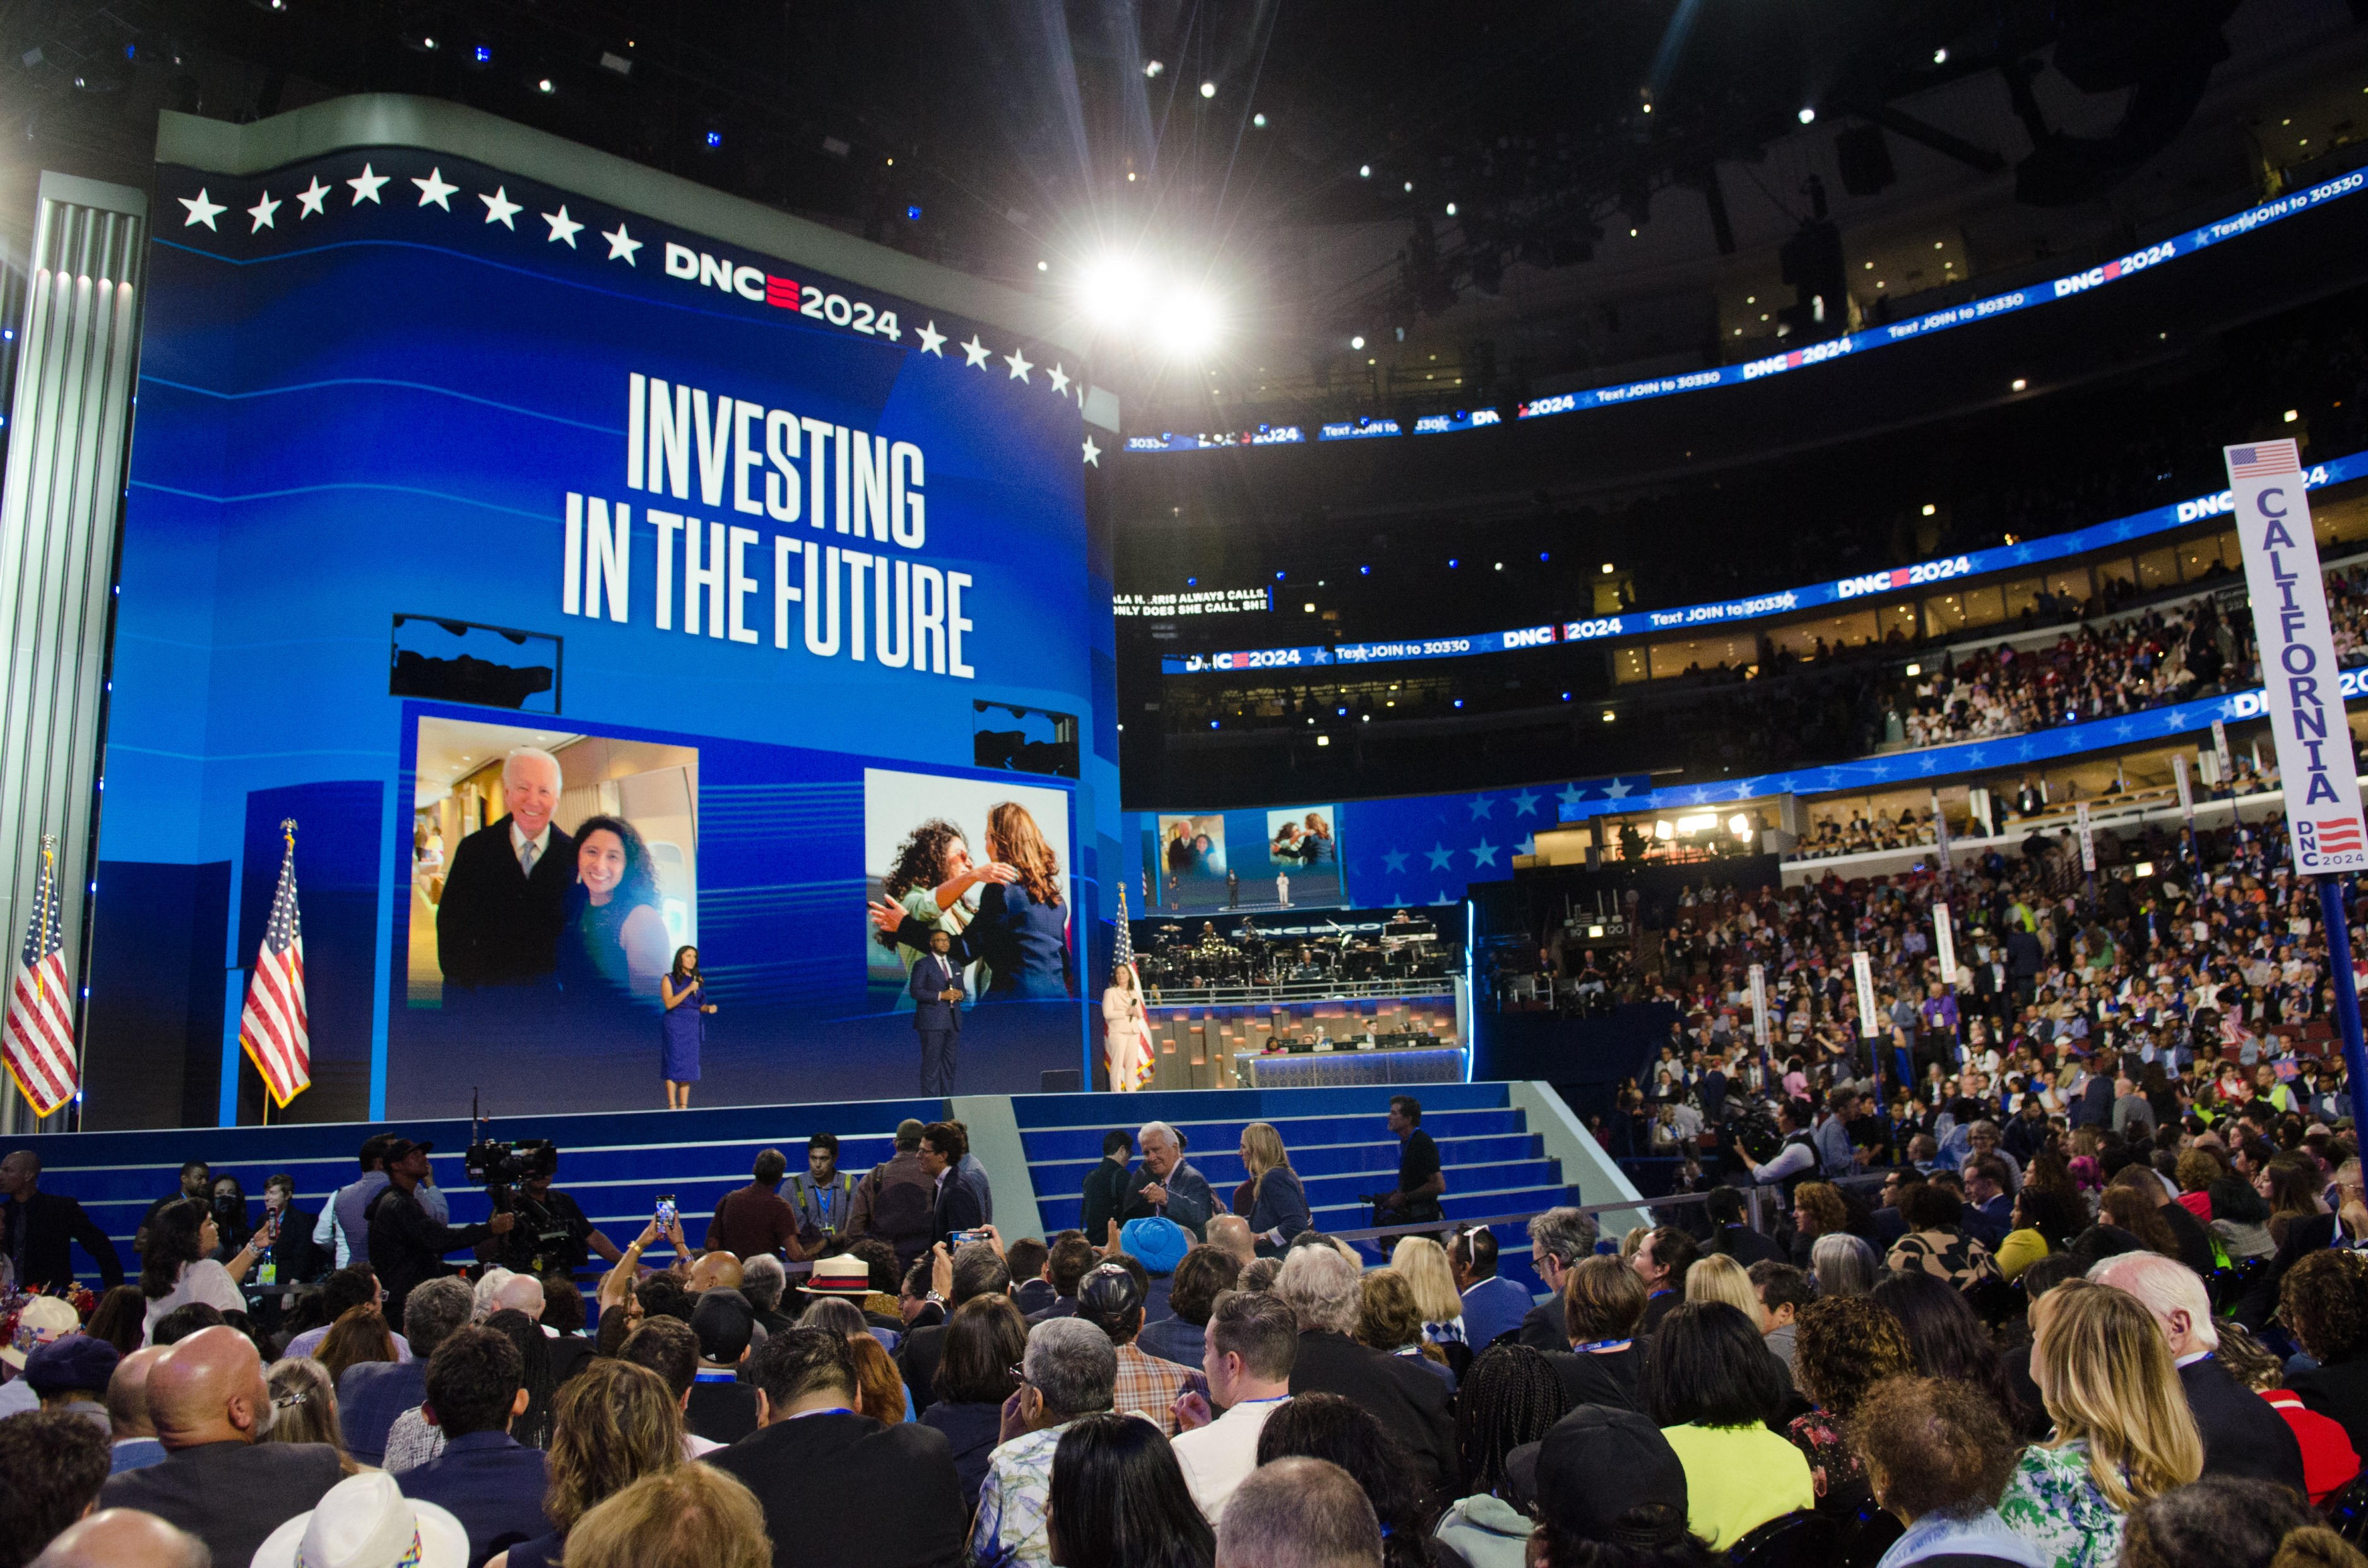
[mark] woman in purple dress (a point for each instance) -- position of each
(682, 1027)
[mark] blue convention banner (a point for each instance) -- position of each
(742, 595)
(1758, 607)
(1987, 309)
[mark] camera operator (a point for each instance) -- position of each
(553, 1232)
(405, 1244)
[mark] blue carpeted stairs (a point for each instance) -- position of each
(1339, 1143)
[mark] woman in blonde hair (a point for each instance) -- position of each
(1718, 1278)
(1278, 1201)
(612, 1424)
(1424, 1264)
(1126, 1039)
(306, 1403)
(2123, 1434)
(693, 1515)
(1022, 931)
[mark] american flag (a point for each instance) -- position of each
(2267, 457)
(40, 1044)
(272, 1029)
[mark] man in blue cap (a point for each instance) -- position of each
(72, 1374)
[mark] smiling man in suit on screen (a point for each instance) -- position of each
(506, 897)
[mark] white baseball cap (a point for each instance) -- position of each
(365, 1521)
(39, 1321)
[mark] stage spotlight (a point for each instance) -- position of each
(2292, 415)
(1357, 342)
(545, 86)
(2019, 383)
(1364, 171)
(1451, 210)
(419, 42)
(1940, 57)
(1188, 324)
(1259, 120)
(1112, 292)
(1808, 116)
(913, 214)
(1208, 90)
(1930, 508)
(1607, 569)
(1153, 67)
(1409, 185)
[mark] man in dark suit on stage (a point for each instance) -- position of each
(505, 896)
(36, 1226)
(937, 1014)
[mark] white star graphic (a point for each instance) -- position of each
(201, 210)
(263, 211)
(1059, 380)
(1525, 803)
(622, 245)
(1480, 805)
(1395, 859)
(500, 209)
(974, 352)
(1618, 789)
(563, 227)
(366, 185)
(1020, 365)
(1437, 854)
(1570, 796)
(434, 188)
(309, 199)
(1093, 453)
(933, 341)
(1486, 855)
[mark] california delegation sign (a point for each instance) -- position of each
(2298, 668)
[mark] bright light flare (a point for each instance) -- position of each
(1188, 322)
(1113, 291)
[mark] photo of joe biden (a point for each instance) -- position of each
(505, 896)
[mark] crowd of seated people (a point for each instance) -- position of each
(2063, 1270)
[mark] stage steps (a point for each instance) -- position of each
(1339, 1143)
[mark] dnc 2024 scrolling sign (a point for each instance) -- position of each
(431, 460)
(1986, 309)
(1758, 607)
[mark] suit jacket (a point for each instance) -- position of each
(933, 1009)
(1105, 1195)
(917, 1360)
(1746, 1245)
(2243, 1433)
(842, 1488)
(721, 1412)
(51, 1220)
(1544, 1327)
(497, 926)
(2303, 1237)
(229, 1496)
(371, 1394)
(1410, 1404)
(956, 1209)
(492, 1483)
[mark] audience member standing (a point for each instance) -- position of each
(37, 1227)
(1251, 1344)
(179, 1266)
(210, 1406)
(896, 1200)
(342, 1227)
(1167, 1185)
(1106, 1184)
(406, 1245)
(755, 1219)
(836, 1486)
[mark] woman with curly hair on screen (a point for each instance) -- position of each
(1021, 929)
(933, 871)
(613, 944)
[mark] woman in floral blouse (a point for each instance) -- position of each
(2123, 1434)
(1842, 1346)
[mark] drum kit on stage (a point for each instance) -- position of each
(1406, 948)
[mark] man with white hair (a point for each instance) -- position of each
(2243, 1433)
(1165, 1185)
(505, 896)
(1325, 1292)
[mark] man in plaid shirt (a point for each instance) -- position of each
(1110, 1298)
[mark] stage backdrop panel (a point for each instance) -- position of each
(435, 463)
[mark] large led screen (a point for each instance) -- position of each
(585, 590)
